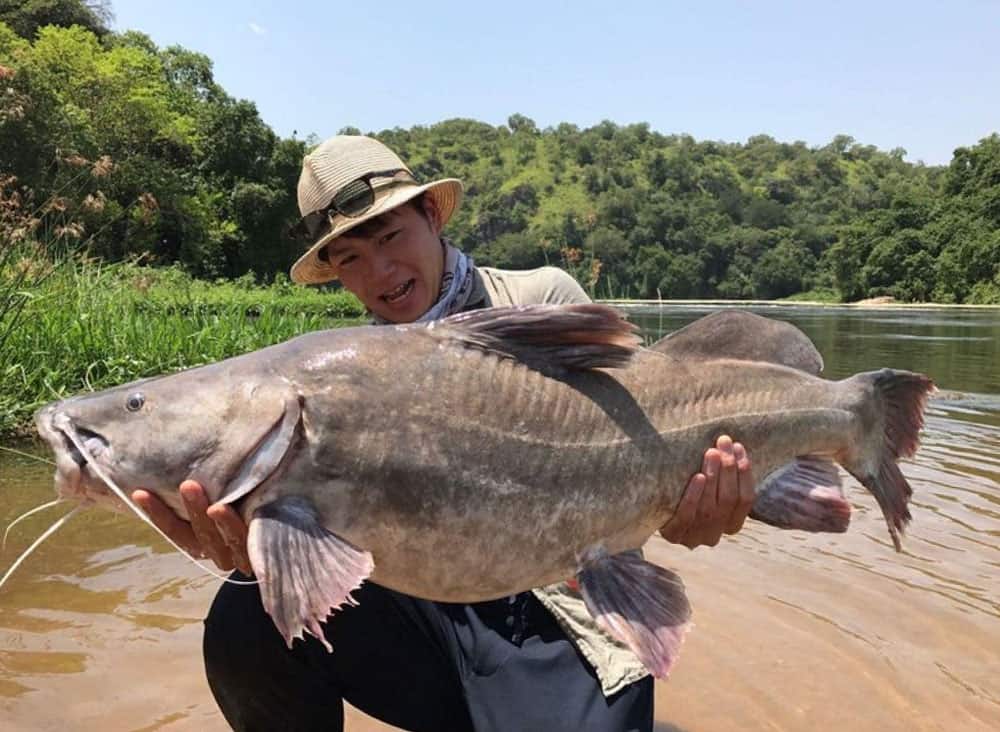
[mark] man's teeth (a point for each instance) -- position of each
(399, 292)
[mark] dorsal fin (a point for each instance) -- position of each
(745, 336)
(583, 336)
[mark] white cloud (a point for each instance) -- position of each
(257, 29)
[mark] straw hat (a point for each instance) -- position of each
(342, 160)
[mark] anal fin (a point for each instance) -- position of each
(639, 603)
(305, 571)
(804, 494)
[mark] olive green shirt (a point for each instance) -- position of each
(616, 666)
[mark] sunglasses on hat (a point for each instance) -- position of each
(353, 200)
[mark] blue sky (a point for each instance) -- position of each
(924, 76)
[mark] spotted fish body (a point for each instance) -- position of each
(483, 455)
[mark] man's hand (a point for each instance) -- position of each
(716, 500)
(216, 531)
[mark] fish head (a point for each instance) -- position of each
(203, 424)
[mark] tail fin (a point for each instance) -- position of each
(900, 399)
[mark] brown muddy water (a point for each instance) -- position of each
(101, 628)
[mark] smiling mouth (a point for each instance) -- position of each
(397, 294)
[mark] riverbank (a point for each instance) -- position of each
(89, 327)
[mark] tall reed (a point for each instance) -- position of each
(90, 326)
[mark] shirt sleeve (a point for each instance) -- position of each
(559, 288)
(542, 286)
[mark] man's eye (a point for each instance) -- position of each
(348, 260)
(390, 236)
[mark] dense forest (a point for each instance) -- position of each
(116, 147)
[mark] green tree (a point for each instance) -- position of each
(25, 17)
(191, 175)
(783, 270)
(517, 250)
(613, 251)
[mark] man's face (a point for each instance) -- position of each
(396, 270)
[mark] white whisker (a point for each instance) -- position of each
(27, 455)
(63, 423)
(48, 532)
(23, 516)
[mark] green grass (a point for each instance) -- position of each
(89, 327)
(821, 294)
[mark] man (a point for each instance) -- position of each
(531, 661)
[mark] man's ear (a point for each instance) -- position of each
(432, 212)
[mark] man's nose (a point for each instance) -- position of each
(382, 265)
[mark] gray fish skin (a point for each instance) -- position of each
(738, 334)
(508, 469)
(742, 335)
(452, 465)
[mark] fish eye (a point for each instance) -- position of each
(135, 401)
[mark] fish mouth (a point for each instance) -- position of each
(73, 479)
(93, 442)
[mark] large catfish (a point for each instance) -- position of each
(489, 453)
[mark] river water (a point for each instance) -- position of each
(101, 628)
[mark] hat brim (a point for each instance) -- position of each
(447, 194)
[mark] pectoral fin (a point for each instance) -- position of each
(305, 571)
(805, 494)
(268, 454)
(639, 603)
